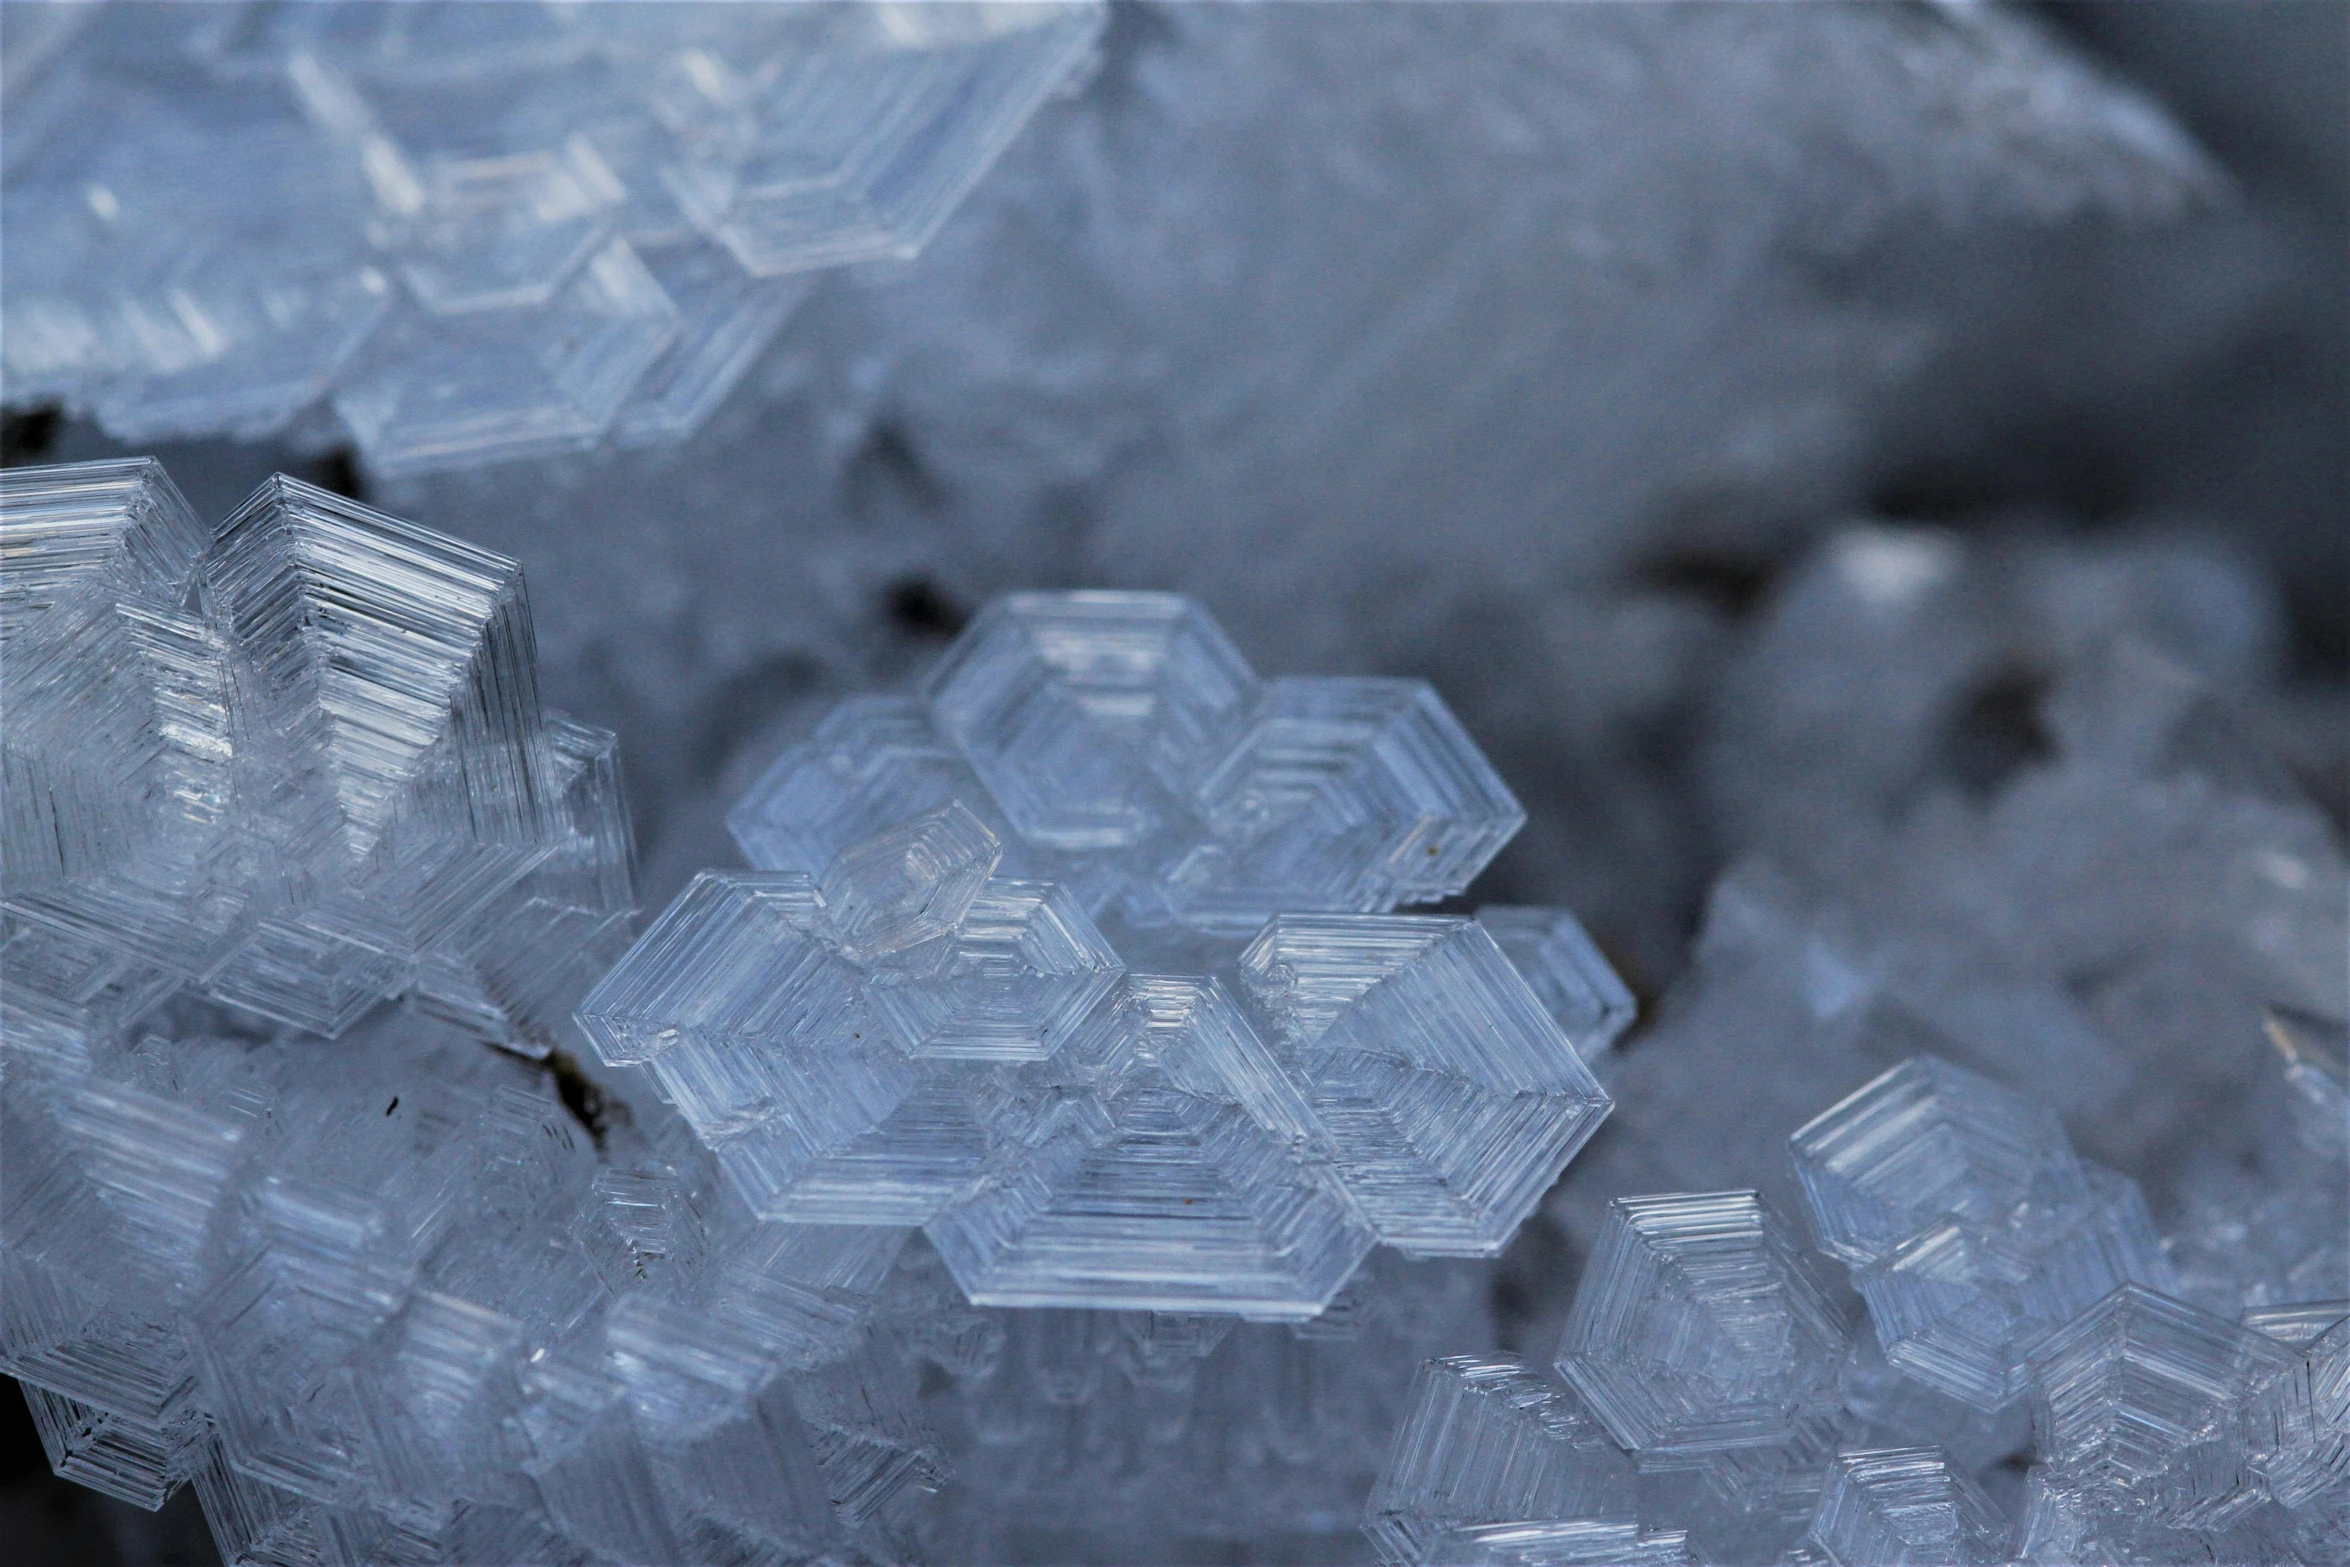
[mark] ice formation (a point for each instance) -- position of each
(1715, 1400)
(295, 763)
(1082, 961)
(380, 1292)
(461, 232)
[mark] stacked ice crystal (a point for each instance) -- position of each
(1718, 1401)
(384, 1294)
(295, 763)
(1081, 960)
(467, 232)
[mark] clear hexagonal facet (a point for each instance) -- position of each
(1088, 715)
(1451, 1097)
(1700, 1326)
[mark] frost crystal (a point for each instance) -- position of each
(1970, 1228)
(1701, 1327)
(1904, 1507)
(479, 232)
(913, 1017)
(1492, 1441)
(297, 762)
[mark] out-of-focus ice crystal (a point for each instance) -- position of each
(478, 232)
(911, 1016)
(297, 763)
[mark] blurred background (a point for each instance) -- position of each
(1573, 357)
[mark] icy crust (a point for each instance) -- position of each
(992, 979)
(478, 233)
(1716, 1401)
(296, 763)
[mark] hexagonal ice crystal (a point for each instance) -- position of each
(1970, 1227)
(290, 762)
(295, 762)
(1354, 794)
(1185, 1182)
(1700, 1327)
(117, 751)
(1489, 1440)
(2147, 1395)
(1071, 1133)
(1905, 1507)
(908, 885)
(1090, 715)
(1556, 954)
(395, 766)
(1451, 1098)
(525, 228)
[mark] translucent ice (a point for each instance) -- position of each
(1904, 1507)
(2145, 1396)
(1118, 742)
(1970, 1228)
(1490, 1441)
(477, 233)
(297, 762)
(1450, 1097)
(913, 1017)
(1702, 1327)
(1552, 949)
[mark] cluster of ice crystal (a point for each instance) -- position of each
(469, 232)
(1081, 960)
(381, 1293)
(1717, 1401)
(295, 763)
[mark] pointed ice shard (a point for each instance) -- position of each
(1352, 794)
(1700, 1327)
(1489, 1440)
(908, 884)
(391, 748)
(1558, 958)
(1089, 716)
(1451, 1098)
(2316, 1053)
(1905, 1507)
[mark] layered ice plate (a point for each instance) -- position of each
(467, 233)
(1083, 961)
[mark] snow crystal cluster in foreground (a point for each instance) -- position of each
(466, 232)
(385, 1293)
(1082, 960)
